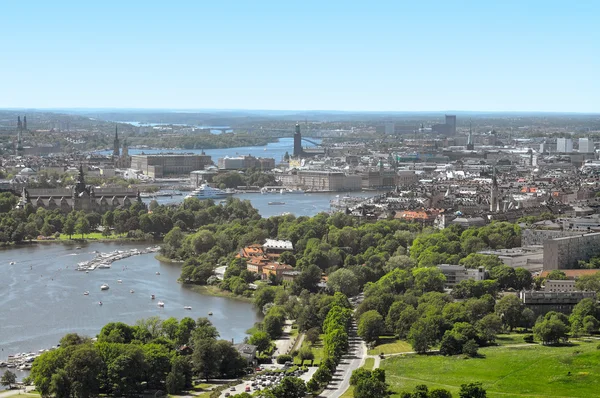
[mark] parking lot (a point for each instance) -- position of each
(266, 379)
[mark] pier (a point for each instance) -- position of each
(105, 260)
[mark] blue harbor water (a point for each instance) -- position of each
(275, 150)
(307, 204)
(41, 296)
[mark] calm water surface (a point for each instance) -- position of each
(308, 204)
(275, 150)
(41, 296)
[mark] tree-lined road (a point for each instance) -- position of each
(353, 359)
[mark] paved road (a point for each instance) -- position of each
(354, 359)
(284, 344)
(10, 393)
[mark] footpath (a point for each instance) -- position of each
(286, 342)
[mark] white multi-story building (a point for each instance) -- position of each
(564, 145)
(586, 145)
(457, 273)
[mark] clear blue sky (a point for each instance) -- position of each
(402, 55)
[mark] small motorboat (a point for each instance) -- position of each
(104, 287)
(187, 307)
(119, 281)
(78, 248)
(87, 272)
(157, 273)
(210, 313)
(86, 293)
(160, 304)
(12, 263)
(275, 203)
(131, 291)
(99, 302)
(153, 297)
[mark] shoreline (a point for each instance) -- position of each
(217, 292)
(167, 260)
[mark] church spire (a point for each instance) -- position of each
(116, 146)
(470, 145)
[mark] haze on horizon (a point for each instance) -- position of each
(375, 56)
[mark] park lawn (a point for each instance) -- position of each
(510, 339)
(532, 371)
(91, 236)
(202, 386)
(390, 345)
(369, 363)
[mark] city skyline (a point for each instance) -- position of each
(434, 57)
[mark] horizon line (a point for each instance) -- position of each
(446, 111)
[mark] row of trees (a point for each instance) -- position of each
(251, 177)
(335, 341)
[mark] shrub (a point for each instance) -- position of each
(284, 358)
(470, 348)
(528, 338)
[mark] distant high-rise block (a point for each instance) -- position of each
(451, 123)
(390, 127)
(586, 145)
(564, 145)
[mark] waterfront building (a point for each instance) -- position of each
(297, 142)
(162, 165)
(199, 177)
(274, 246)
(246, 162)
(80, 197)
(322, 181)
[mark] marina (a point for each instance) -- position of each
(105, 260)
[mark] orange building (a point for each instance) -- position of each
(276, 269)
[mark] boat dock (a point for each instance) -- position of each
(105, 260)
(23, 361)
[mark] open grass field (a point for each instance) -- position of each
(389, 345)
(512, 338)
(527, 371)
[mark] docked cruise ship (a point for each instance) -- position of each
(208, 192)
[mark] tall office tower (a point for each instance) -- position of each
(451, 123)
(564, 145)
(586, 145)
(24, 122)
